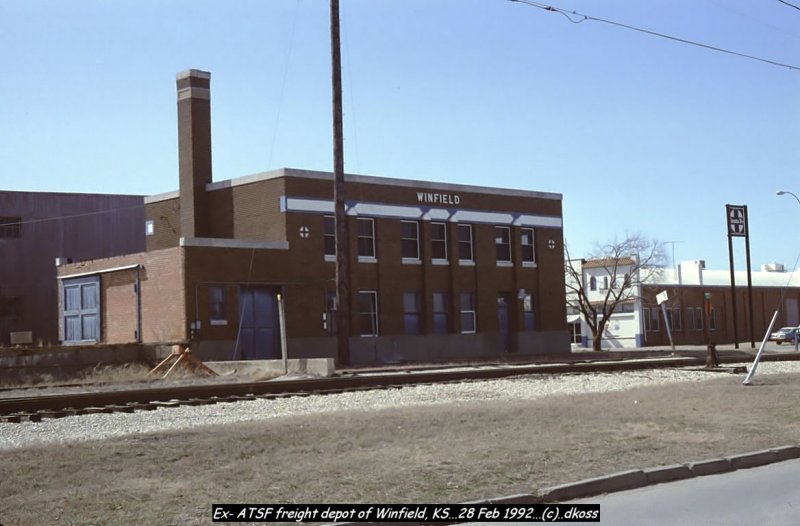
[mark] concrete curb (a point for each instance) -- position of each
(640, 478)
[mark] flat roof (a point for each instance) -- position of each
(364, 179)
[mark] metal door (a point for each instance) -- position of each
(259, 333)
(81, 312)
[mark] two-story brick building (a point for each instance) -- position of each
(438, 271)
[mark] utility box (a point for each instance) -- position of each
(21, 338)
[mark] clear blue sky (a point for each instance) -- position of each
(638, 133)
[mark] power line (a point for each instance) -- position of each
(790, 5)
(577, 18)
(74, 216)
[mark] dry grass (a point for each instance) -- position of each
(433, 454)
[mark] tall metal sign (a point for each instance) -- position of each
(736, 216)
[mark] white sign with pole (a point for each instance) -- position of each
(661, 298)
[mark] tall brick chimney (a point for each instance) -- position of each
(194, 150)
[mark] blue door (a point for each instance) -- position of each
(259, 333)
(81, 312)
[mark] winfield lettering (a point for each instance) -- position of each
(438, 199)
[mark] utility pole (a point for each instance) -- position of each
(342, 237)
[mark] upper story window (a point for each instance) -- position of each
(526, 246)
(439, 241)
(149, 227)
(329, 235)
(502, 240)
(409, 239)
(465, 243)
(592, 283)
(10, 226)
(366, 237)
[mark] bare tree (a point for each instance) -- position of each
(621, 267)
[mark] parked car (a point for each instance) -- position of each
(785, 334)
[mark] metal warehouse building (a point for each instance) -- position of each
(438, 271)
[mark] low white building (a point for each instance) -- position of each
(699, 308)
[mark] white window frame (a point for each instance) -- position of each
(471, 260)
(373, 313)
(462, 312)
(149, 227)
(532, 244)
(366, 259)
(435, 260)
(409, 259)
(498, 244)
(325, 236)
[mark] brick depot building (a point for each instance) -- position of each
(437, 271)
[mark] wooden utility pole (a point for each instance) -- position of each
(342, 237)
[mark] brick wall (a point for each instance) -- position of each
(163, 310)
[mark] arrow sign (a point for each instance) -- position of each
(737, 224)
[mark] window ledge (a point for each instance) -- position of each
(218, 322)
(442, 262)
(330, 258)
(505, 264)
(411, 261)
(466, 262)
(529, 264)
(367, 259)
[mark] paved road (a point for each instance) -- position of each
(767, 495)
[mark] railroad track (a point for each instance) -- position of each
(38, 407)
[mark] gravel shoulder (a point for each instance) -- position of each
(447, 443)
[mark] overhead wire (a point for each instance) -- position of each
(577, 18)
(790, 5)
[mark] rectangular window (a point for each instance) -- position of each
(409, 239)
(411, 313)
(366, 237)
(440, 313)
(528, 320)
(712, 319)
(216, 305)
(502, 240)
(526, 245)
(149, 227)
(329, 235)
(465, 242)
(368, 313)
(10, 226)
(674, 317)
(439, 241)
(695, 318)
(468, 324)
(651, 319)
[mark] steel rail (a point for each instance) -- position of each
(304, 387)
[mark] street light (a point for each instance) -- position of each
(781, 192)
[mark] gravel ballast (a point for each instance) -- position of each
(102, 426)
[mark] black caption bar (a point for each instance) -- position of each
(405, 512)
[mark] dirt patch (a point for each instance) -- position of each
(449, 453)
